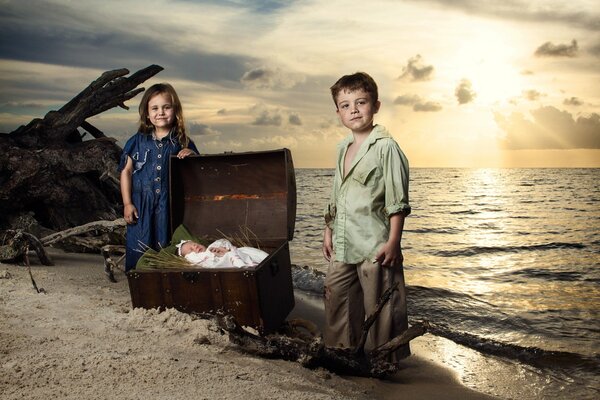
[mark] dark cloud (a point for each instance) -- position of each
(550, 128)
(572, 101)
(464, 92)
(428, 106)
(415, 70)
(27, 34)
(294, 119)
(523, 10)
(549, 49)
(417, 103)
(269, 78)
(407, 100)
(266, 118)
(201, 129)
(532, 94)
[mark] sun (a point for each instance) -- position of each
(489, 61)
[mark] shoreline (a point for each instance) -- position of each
(82, 339)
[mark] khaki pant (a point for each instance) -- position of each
(351, 295)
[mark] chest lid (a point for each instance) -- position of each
(224, 194)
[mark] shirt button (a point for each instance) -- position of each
(160, 156)
(157, 190)
(160, 145)
(158, 167)
(157, 179)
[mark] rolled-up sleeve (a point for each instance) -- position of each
(396, 176)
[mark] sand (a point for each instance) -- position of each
(81, 339)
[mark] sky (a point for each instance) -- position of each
(464, 83)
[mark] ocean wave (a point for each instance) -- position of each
(550, 275)
(534, 356)
(477, 250)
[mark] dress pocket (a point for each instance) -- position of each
(138, 163)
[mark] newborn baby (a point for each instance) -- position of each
(220, 254)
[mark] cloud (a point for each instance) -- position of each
(550, 128)
(46, 34)
(418, 104)
(266, 118)
(428, 106)
(532, 94)
(549, 49)
(528, 10)
(202, 130)
(464, 92)
(407, 99)
(572, 101)
(294, 119)
(415, 70)
(270, 78)
(595, 50)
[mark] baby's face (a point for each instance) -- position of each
(219, 251)
(191, 247)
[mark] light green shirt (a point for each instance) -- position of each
(375, 187)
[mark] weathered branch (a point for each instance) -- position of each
(314, 353)
(110, 90)
(385, 297)
(104, 226)
(17, 243)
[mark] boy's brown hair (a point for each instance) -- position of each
(145, 125)
(356, 81)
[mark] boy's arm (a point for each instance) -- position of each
(327, 244)
(130, 213)
(390, 254)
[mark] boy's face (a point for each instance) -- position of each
(356, 110)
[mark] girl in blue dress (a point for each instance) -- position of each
(144, 170)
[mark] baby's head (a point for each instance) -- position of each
(191, 247)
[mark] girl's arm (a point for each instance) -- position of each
(183, 153)
(130, 213)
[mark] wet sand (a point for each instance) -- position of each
(82, 339)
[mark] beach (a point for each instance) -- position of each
(80, 338)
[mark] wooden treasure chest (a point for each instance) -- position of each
(216, 196)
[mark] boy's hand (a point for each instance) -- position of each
(327, 244)
(183, 153)
(130, 214)
(390, 255)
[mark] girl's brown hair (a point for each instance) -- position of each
(147, 127)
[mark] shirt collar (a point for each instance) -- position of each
(377, 133)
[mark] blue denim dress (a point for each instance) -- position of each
(150, 192)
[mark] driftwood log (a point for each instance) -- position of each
(312, 353)
(49, 171)
(14, 244)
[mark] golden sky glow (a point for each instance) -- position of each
(462, 84)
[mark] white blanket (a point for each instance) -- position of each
(236, 257)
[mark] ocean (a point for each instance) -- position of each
(504, 261)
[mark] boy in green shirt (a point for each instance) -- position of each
(364, 223)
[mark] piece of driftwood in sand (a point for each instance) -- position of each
(312, 353)
(48, 170)
(14, 244)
